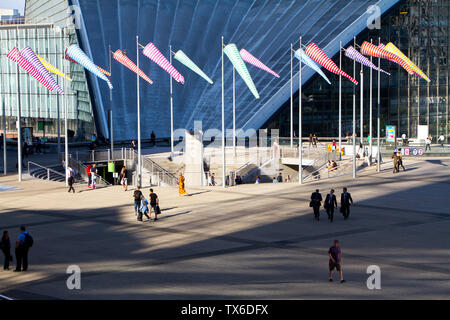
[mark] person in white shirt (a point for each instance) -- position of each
(428, 143)
(441, 140)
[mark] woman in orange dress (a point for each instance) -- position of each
(181, 188)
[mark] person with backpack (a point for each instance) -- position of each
(23, 244)
(154, 204)
(5, 245)
(137, 195)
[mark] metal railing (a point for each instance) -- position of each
(48, 170)
(80, 169)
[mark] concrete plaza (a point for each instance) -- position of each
(245, 242)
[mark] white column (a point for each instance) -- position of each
(300, 129)
(292, 103)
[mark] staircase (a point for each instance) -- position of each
(52, 173)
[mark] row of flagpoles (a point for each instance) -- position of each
(311, 55)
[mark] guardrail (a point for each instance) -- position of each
(48, 170)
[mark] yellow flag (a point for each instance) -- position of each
(393, 49)
(53, 69)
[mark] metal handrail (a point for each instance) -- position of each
(45, 168)
(80, 166)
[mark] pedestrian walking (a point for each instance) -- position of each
(23, 244)
(181, 186)
(395, 159)
(346, 202)
(400, 160)
(88, 173)
(133, 145)
(144, 209)
(335, 255)
(154, 204)
(315, 140)
(330, 204)
(5, 245)
(124, 178)
(441, 140)
(94, 172)
(153, 139)
(316, 202)
(70, 178)
(137, 195)
(428, 143)
(310, 140)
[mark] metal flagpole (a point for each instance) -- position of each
(234, 111)
(371, 110)
(171, 105)
(138, 117)
(19, 120)
(362, 101)
(111, 137)
(66, 114)
(378, 112)
(292, 103)
(224, 184)
(300, 128)
(354, 115)
(58, 106)
(340, 100)
(5, 165)
(361, 125)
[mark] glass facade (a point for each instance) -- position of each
(420, 29)
(40, 108)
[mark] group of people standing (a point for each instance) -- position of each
(141, 205)
(397, 157)
(331, 203)
(22, 246)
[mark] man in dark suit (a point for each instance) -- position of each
(346, 201)
(330, 204)
(316, 202)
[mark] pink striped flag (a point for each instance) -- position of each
(249, 58)
(15, 56)
(123, 59)
(151, 52)
(321, 58)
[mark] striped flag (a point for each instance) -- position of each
(151, 52)
(233, 54)
(31, 57)
(383, 46)
(412, 67)
(123, 59)
(15, 56)
(77, 55)
(321, 58)
(358, 57)
(301, 55)
(184, 59)
(52, 68)
(101, 70)
(249, 58)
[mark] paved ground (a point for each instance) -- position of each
(248, 242)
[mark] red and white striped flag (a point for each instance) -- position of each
(321, 58)
(123, 59)
(249, 58)
(151, 52)
(15, 56)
